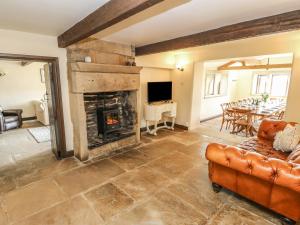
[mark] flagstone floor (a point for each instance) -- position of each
(18, 144)
(164, 181)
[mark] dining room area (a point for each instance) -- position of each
(239, 93)
(245, 116)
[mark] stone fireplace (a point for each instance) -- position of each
(110, 116)
(104, 98)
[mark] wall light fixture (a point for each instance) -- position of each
(180, 67)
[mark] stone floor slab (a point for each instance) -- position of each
(131, 159)
(3, 217)
(46, 166)
(160, 148)
(163, 209)
(72, 212)
(83, 178)
(141, 183)
(30, 199)
(233, 215)
(108, 200)
(195, 188)
(173, 164)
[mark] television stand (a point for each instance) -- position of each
(154, 113)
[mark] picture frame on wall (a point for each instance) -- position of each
(42, 74)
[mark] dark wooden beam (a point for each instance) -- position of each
(106, 16)
(17, 57)
(268, 25)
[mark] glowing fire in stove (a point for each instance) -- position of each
(111, 121)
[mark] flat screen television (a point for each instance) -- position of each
(159, 91)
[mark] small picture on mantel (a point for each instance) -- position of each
(42, 74)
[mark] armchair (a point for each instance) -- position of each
(10, 119)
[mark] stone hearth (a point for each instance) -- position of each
(104, 98)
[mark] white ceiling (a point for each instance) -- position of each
(50, 17)
(200, 15)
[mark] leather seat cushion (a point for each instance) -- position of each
(9, 119)
(12, 125)
(264, 148)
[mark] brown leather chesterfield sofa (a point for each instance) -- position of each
(258, 172)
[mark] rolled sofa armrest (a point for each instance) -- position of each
(279, 172)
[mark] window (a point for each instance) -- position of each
(280, 83)
(262, 84)
(274, 83)
(216, 84)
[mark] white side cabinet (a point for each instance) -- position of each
(156, 112)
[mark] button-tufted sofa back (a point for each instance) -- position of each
(269, 128)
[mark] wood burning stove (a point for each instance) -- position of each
(108, 121)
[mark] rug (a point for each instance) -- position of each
(40, 134)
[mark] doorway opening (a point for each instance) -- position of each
(253, 88)
(31, 112)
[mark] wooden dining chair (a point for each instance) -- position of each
(233, 104)
(243, 121)
(250, 101)
(281, 115)
(278, 116)
(227, 116)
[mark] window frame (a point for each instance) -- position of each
(223, 83)
(287, 85)
(270, 75)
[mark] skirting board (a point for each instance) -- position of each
(29, 118)
(210, 118)
(143, 129)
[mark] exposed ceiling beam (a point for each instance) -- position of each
(230, 63)
(273, 24)
(256, 67)
(106, 16)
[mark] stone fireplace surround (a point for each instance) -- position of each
(107, 77)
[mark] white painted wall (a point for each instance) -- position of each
(188, 85)
(21, 86)
(16, 42)
(265, 45)
(182, 93)
(212, 106)
(167, 60)
(244, 80)
(151, 75)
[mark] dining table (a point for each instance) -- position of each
(259, 112)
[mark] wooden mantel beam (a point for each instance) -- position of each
(268, 25)
(107, 15)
